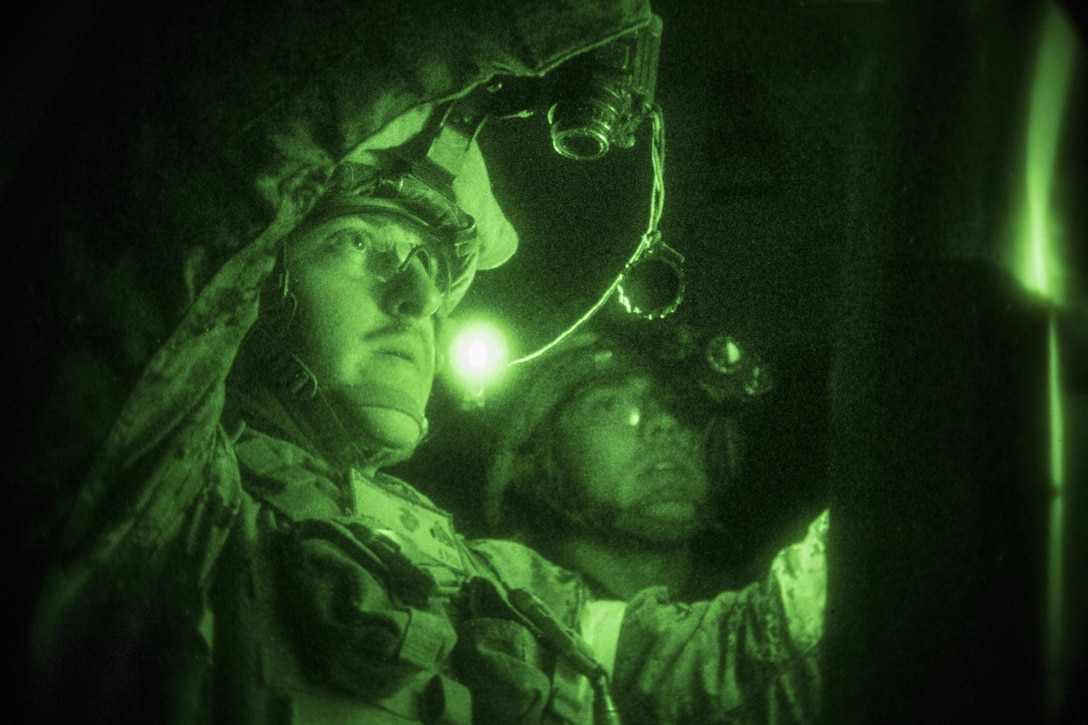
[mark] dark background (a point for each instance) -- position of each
(844, 178)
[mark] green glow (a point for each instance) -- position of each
(732, 352)
(478, 359)
(1038, 263)
(1039, 267)
(1057, 428)
(478, 353)
(1055, 563)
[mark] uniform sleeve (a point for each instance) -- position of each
(161, 496)
(749, 656)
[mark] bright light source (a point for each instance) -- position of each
(478, 351)
(478, 355)
(732, 352)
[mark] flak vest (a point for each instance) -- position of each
(359, 603)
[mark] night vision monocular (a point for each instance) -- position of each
(603, 95)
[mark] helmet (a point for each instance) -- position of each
(676, 355)
(392, 165)
(523, 450)
(381, 176)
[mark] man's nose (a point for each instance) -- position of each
(411, 294)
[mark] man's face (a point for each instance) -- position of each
(624, 450)
(367, 321)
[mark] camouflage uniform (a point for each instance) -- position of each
(215, 568)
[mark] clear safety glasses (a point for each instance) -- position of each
(382, 243)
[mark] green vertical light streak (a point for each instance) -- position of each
(1039, 267)
(1055, 559)
(1040, 270)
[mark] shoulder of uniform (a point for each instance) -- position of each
(287, 476)
(519, 567)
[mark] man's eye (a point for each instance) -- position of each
(356, 239)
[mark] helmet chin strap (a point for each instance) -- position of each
(418, 419)
(338, 424)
